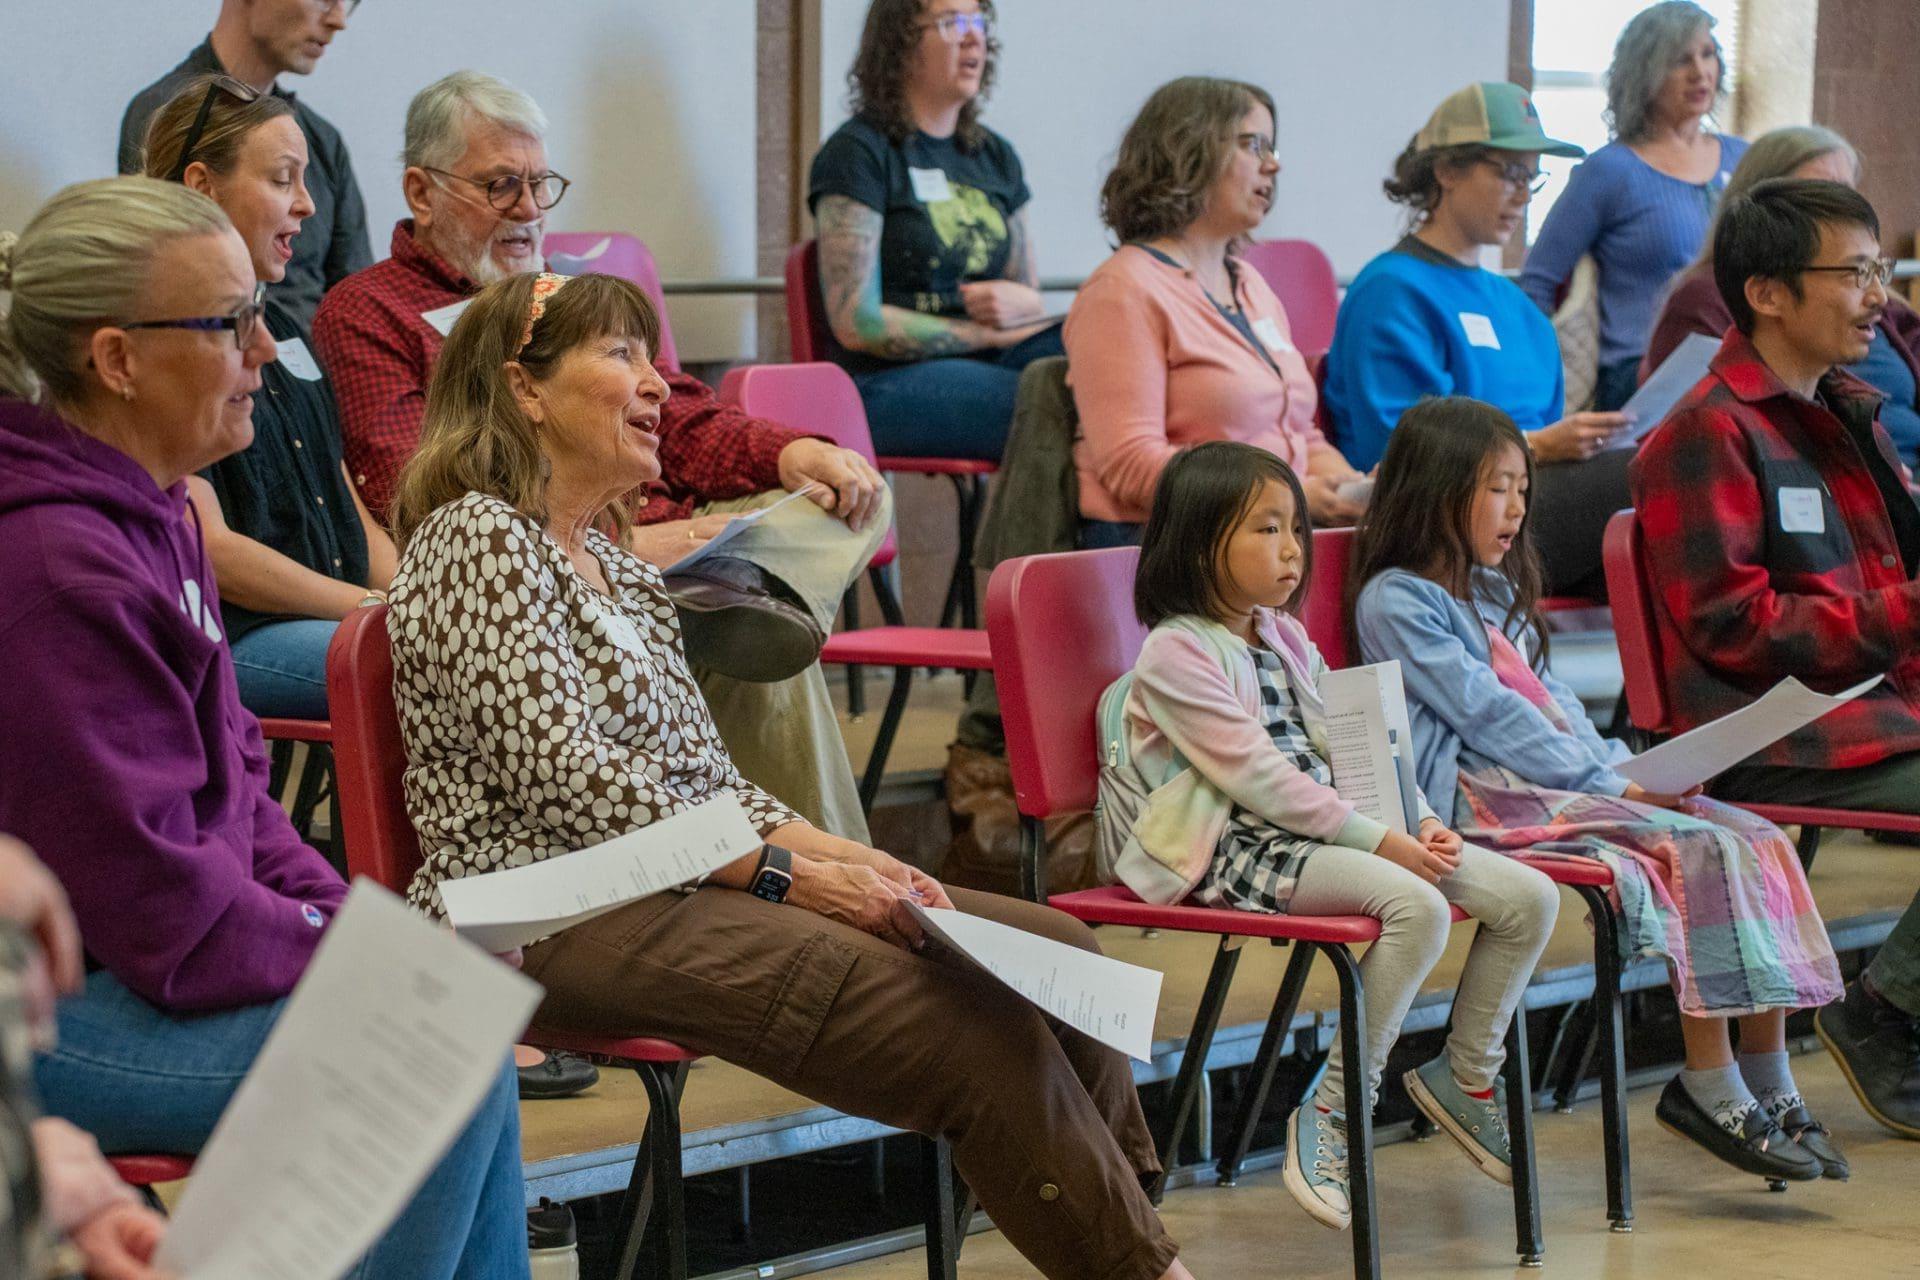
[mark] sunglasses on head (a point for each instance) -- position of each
(238, 90)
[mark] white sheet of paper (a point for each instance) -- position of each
(1360, 490)
(442, 318)
(502, 910)
(1680, 764)
(296, 359)
(1364, 705)
(1108, 999)
(1479, 330)
(384, 1050)
(1676, 376)
(929, 185)
(733, 529)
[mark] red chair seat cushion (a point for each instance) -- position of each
(620, 1048)
(146, 1171)
(1785, 815)
(909, 647)
(1572, 871)
(938, 466)
(1116, 904)
(274, 730)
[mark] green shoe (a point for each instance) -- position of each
(1477, 1124)
(1315, 1173)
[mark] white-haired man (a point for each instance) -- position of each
(478, 185)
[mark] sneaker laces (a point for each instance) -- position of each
(1330, 1153)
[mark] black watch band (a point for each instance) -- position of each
(773, 878)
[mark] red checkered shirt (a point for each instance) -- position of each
(379, 353)
(1751, 587)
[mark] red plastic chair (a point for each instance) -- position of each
(821, 397)
(615, 253)
(381, 844)
(144, 1172)
(316, 775)
(1325, 616)
(1301, 276)
(1063, 629)
(810, 339)
(1645, 630)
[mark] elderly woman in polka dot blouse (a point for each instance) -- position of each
(547, 706)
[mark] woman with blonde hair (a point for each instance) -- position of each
(1641, 204)
(1174, 340)
(1892, 364)
(547, 706)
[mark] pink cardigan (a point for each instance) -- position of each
(1155, 367)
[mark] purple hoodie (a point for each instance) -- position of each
(126, 759)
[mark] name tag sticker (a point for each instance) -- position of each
(1479, 330)
(1269, 333)
(442, 318)
(1800, 511)
(624, 634)
(297, 360)
(929, 185)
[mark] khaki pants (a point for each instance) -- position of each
(785, 736)
(1044, 1122)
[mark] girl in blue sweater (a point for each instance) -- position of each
(1451, 588)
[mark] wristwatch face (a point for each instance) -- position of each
(772, 884)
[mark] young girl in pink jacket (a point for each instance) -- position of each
(1217, 785)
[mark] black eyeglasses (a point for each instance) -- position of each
(1872, 271)
(503, 192)
(244, 320)
(236, 89)
(1518, 175)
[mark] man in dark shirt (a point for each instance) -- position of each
(255, 41)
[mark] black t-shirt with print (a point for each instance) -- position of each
(946, 212)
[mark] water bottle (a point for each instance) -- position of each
(552, 1242)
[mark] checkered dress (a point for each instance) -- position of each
(1257, 864)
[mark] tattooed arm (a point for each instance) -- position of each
(850, 288)
(1022, 267)
(1013, 300)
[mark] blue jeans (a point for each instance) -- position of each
(141, 1080)
(953, 406)
(1616, 384)
(1096, 535)
(281, 668)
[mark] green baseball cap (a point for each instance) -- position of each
(1490, 114)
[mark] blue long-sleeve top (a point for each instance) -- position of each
(1455, 701)
(1418, 323)
(1642, 228)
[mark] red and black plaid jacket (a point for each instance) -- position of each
(379, 352)
(1752, 594)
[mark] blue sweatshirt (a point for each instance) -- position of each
(1417, 323)
(1455, 701)
(1642, 228)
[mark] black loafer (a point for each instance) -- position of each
(1798, 1123)
(741, 621)
(1759, 1148)
(560, 1075)
(1878, 1049)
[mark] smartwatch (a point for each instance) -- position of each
(773, 878)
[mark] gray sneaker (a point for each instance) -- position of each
(1315, 1173)
(1477, 1124)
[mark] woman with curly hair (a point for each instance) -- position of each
(1173, 340)
(1641, 204)
(927, 273)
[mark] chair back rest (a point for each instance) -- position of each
(1062, 629)
(808, 337)
(1301, 276)
(1325, 609)
(1636, 623)
(616, 253)
(818, 398)
(369, 757)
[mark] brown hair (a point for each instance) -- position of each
(1202, 496)
(877, 84)
(1416, 180)
(1174, 149)
(230, 120)
(474, 437)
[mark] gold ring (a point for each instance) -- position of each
(692, 536)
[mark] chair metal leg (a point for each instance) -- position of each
(1529, 1241)
(655, 1195)
(280, 764)
(315, 769)
(960, 604)
(1033, 859)
(1807, 845)
(1253, 1101)
(856, 676)
(1192, 1076)
(1613, 1056)
(876, 770)
(943, 1217)
(1357, 1081)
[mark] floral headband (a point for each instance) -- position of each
(545, 285)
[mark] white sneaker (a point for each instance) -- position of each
(1315, 1173)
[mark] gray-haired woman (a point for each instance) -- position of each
(1641, 204)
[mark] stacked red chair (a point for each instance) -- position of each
(1063, 628)
(615, 253)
